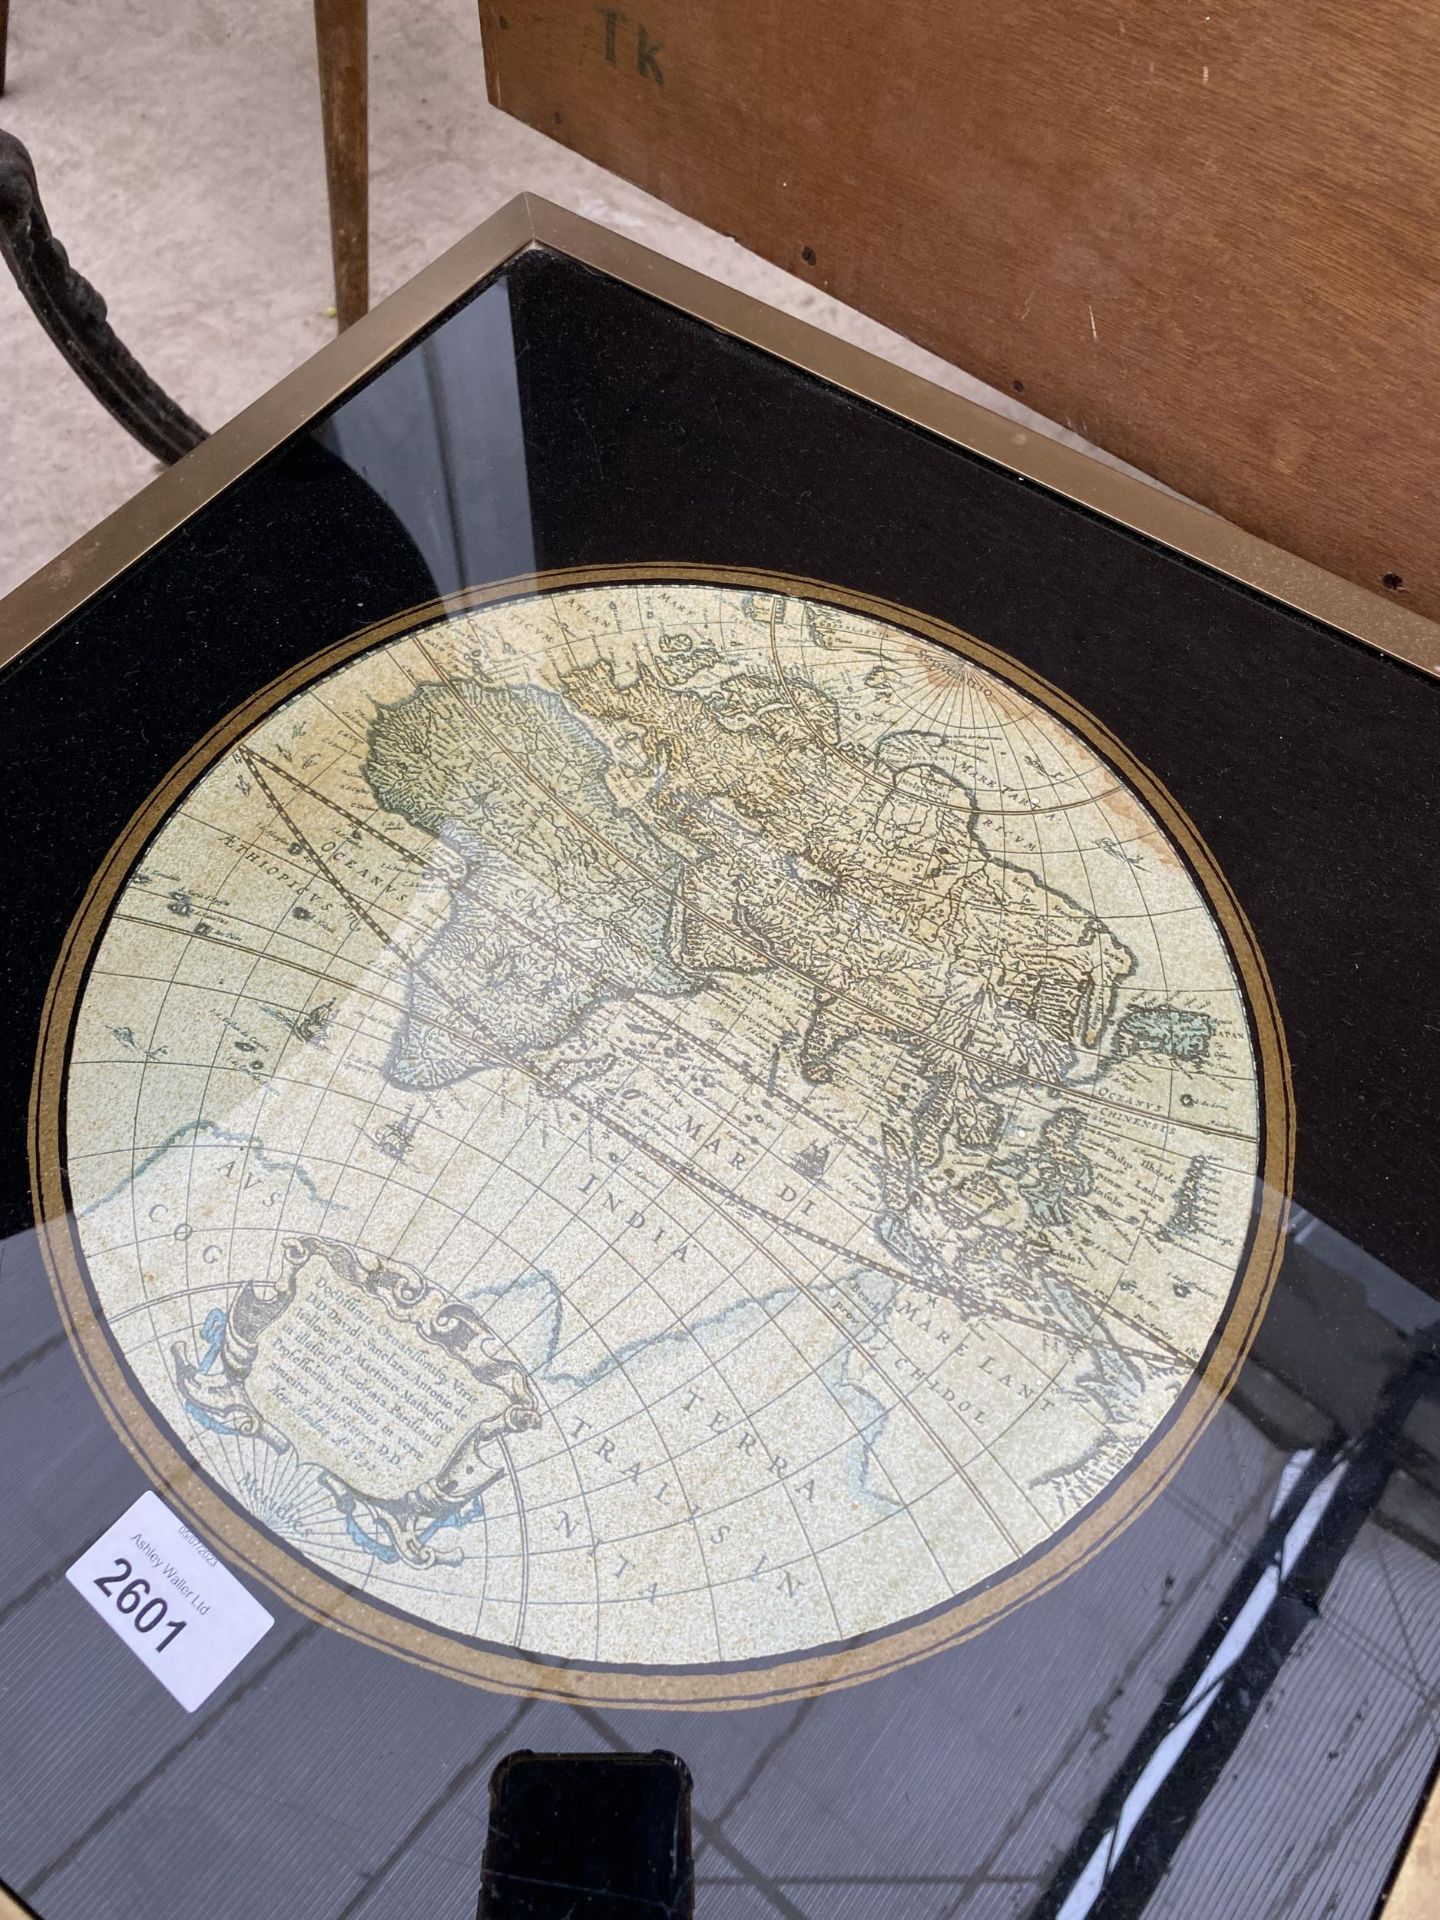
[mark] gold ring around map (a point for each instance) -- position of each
(660, 1137)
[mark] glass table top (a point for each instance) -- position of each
(690, 1071)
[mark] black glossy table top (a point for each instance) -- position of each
(1230, 1707)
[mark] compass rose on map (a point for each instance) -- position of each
(661, 1130)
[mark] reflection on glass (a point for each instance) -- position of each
(697, 1072)
(437, 435)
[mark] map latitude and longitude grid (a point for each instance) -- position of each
(621, 1167)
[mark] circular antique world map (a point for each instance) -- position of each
(661, 1125)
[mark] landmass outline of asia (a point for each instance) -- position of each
(720, 908)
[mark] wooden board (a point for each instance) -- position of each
(1206, 235)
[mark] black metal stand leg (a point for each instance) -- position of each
(73, 313)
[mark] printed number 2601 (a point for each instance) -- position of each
(148, 1611)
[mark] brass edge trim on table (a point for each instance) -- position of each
(1171, 522)
(126, 535)
(1413, 1892)
(158, 510)
(91, 563)
(768, 1680)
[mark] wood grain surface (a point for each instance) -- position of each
(1206, 234)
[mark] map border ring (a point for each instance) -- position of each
(260, 1556)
